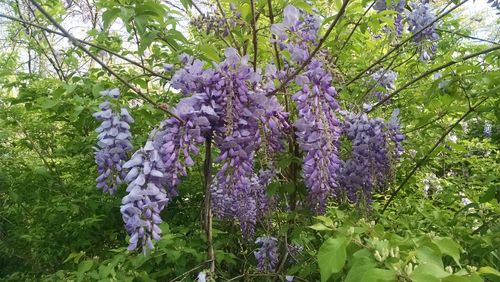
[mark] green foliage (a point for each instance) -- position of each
(444, 225)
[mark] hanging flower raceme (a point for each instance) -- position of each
(396, 135)
(237, 192)
(421, 16)
(375, 148)
(155, 170)
(317, 127)
(369, 164)
(113, 142)
(395, 5)
(146, 197)
(267, 254)
(215, 23)
(383, 81)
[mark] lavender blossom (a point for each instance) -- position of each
(267, 254)
(146, 197)
(396, 5)
(317, 127)
(318, 131)
(384, 82)
(421, 16)
(113, 143)
(369, 165)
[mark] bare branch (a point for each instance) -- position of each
(468, 36)
(86, 43)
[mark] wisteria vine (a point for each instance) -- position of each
(229, 104)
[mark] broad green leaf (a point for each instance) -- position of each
(319, 227)
(368, 273)
(449, 247)
(428, 272)
(332, 256)
(109, 16)
(489, 270)
(209, 51)
(85, 266)
(430, 254)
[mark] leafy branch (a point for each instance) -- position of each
(106, 67)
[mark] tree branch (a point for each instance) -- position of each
(311, 56)
(77, 44)
(207, 173)
(254, 35)
(228, 26)
(399, 45)
(426, 157)
(468, 36)
(88, 44)
(433, 71)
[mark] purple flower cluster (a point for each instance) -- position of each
(155, 170)
(318, 131)
(216, 23)
(396, 135)
(113, 143)
(146, 197)
(421, 16)
(317, 127)
(370, 164)
(384, 81)
(228, 103)
(296, 34)
(267, 254)
(238, 192)
(396, 5)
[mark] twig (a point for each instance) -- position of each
(426, 157)
(87, 43)
(468, 36)
(77, 44)
(399, 45)
(227, 25)
(431, 71)
(191, 270)
(352, 31)
(275, 46)
(254, 35)
(440, 116)
(207, 173)
(311, 56)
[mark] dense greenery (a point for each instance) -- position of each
(437, 219)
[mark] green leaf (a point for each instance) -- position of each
(449, 247)
(85, 266)
(368, 273)
(489, 270)
(428, 272)
(332, 256)
(319, 227)
(109, 16)
(430, 254)
(146, 40)
(210, 52)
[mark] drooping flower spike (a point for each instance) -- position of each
(113, 142)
